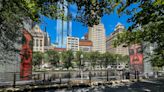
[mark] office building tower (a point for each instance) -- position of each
(121, 49)
(97, 36)
(64, 28)
(73, 43)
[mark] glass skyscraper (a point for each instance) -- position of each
(64, 27)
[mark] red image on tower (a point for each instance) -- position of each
(26, 56)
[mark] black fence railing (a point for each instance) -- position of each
(101, 75)
(13, 79)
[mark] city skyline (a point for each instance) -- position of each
(79, 30)
(82, 45)
(63, 28)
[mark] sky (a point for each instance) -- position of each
(79, 30)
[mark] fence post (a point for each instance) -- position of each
(90, 75)
(44, 76)
(38, 77)
(60, 80)
(53, 77)
(137, 75)
(123, 74)
(107, 75)
(14, 80)
(69, 76)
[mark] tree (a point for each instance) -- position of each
(78, 58)
(100, 60)
(89, 12)
(67, 57)
(12, 15)
(15, 12)
(52, 57)
(147, 26)
(125, 59)
(93, 57)
(107, 59)
(37, 59)
(117, 58)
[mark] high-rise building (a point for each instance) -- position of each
(73, 43)
(64, 28)
(121, 49)
(97, 36)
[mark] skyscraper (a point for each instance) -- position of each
(63, 27)
(97, 36)
(121, 49)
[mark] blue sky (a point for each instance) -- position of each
(78, 30)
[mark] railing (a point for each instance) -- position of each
(59, 77)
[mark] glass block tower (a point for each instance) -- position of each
(64, 27)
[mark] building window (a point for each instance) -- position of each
(40, 43)
(37, 42)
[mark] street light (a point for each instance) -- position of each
(81, 67)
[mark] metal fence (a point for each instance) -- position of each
(12, 79)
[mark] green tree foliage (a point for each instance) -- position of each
(125, 59)
(93, 58)
(78, 58)
(117, 58)
(148, 15)
(148, 23)
(90, 11)
(52, 57)
(14, 12)
(37, 58)
(107, 59)
(67, 57)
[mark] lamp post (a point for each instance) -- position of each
(81, 67)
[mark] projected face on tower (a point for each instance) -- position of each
(136, 54)
(136, 57)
